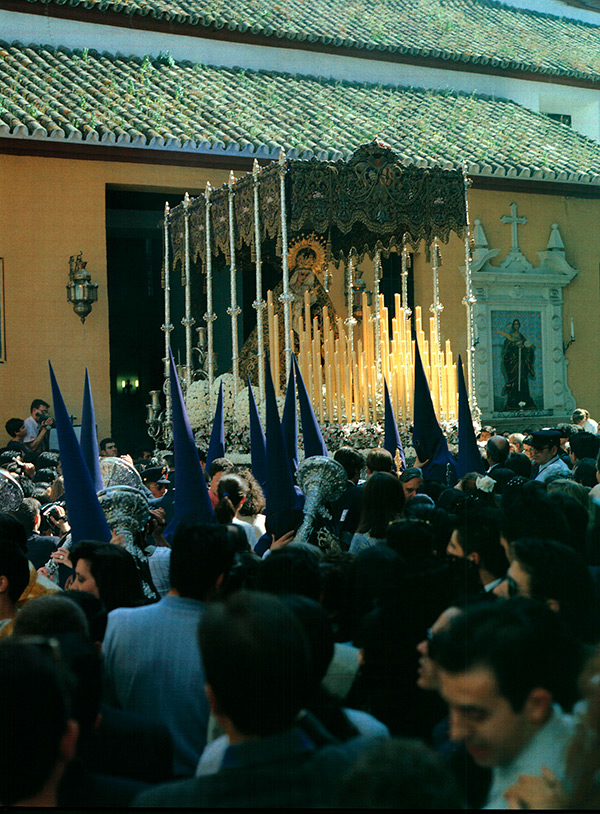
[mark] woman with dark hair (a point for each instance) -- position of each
(252, 511)
(231, 492)
(109, 572)
(382, 504)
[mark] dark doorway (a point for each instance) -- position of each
(391, 282)
(134, 244)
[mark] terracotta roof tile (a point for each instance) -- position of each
(485, 32)
(59, 94)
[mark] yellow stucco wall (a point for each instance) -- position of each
(578, 220)
(51, 208)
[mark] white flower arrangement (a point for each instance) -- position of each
(485, 484)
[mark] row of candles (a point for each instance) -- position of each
(340, 369)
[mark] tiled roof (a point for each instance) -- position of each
(48, 93)
(476, 31)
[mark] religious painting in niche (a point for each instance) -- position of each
(2, 331)
(517, 360)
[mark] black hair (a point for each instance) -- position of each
(94, 611)
(13, 425)
(38, 403)
(379, 460)
(293, 569)
(8, 455)
(584, 472)
(33, 722)
(558, 572)
(243, 574)
(268, 641)
(528, 511)
(521, 641)
(115, 573)
(576, 515)
(383, 503)
(104, 442)
(584, 445)
(46, 475)
(350, 459)
(11, 529)
(199, 555)
(411, 538)
(519, 463)
(478, 530)
(15, 567)
(399, 773)
(219, 465)
(51, 615)
(49, 459)
(319, 634)
(27, 514)
(231, 490)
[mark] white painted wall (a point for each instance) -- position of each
(558, 8)
(583, 104)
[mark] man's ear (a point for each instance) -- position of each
(68, 742)
(554, 605)
(212, 700)
(538, 706)
(474, 557)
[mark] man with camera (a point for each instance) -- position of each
(38, 426)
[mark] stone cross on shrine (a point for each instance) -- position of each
(515, 257)
(514, 221)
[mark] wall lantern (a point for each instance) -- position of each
(81, 291)
(127, 384)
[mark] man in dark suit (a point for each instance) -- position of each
(269, 762)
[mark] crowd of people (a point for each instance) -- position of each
(430, 645)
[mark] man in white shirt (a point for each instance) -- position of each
(38, 426)
(546, 444)
(502, 669)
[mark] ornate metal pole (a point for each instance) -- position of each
(407, 310)
(469, 301)
(209, 316)
(436, 309)
(377, 315)
(258, 304)
(233, 309)
(188, 320)
(350, 321)
(167, 327)
(286, 298)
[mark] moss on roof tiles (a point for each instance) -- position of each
(85, 95)
(477, 31)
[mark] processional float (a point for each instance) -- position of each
(341, 211)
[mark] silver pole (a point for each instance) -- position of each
(167, 327)
(436, 309)
(407, 310)
(188, 320)
(350, 321)
(233, 309)
(469, 301)
(259, 304)
(286, 298)
(209, 316)
(377, 315)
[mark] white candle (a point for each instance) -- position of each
(572, 329)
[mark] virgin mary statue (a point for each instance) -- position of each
(306, 260)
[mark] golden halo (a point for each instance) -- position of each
(308, 242)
